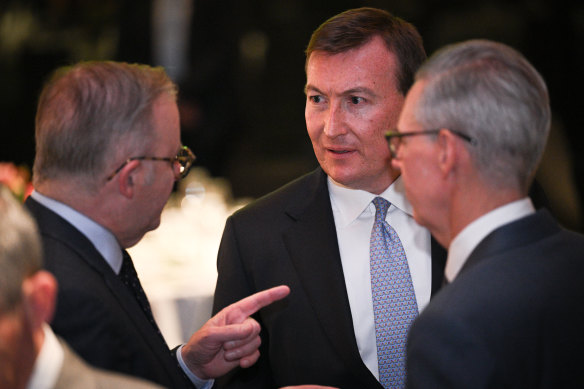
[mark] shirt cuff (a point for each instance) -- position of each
(198, 382)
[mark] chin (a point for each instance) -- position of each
(415, 213)
(155, 224)
(341, 176)
(417, 218)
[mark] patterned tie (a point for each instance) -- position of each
(130, 279)
(394, 301)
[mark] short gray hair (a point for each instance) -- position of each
(490, 92)
(20, 249)
(92, 112)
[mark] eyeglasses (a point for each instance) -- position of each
(394, 138)
(183, 161)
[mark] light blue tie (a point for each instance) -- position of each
(394, 301)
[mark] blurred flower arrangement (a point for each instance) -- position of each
(16, 178)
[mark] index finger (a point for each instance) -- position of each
(251, 304)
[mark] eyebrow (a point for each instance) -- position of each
(308, 87)
(352, 91)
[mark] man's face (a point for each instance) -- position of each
(158, 176)
(352, 99)
(416, 159)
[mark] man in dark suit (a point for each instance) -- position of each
(314, 233)
(31, 356)
(469, 140)
(108, 155)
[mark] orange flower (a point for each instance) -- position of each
(16, 178)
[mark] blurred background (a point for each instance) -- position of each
(239, 65)
(240, 68)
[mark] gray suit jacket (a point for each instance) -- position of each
(78, 374)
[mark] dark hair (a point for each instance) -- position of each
(353, 28)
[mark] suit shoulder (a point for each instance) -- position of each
(77, 373)
(292, 194)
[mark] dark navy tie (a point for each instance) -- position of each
(130, 279)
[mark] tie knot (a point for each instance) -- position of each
(381, 207)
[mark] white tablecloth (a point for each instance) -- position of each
(178, 317)
(176, 263)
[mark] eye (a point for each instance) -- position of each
(356, 99)
(316, 99)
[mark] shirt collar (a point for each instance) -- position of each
(350, 203)
(469, 238)
(49, 362)
(104, 241)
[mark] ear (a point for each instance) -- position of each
(448, 152)
(39, 295)
(126, 179)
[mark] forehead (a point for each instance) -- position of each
(371, 65)
(407, 117)
(165, 117)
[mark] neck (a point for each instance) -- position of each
(72, 194)
(99, 206)
(471, 204)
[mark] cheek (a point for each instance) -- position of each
(420, 180)
(312, 126)
(412, 175)
(375, 145)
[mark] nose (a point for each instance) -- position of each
(177, 170)
(335, 121)
(396, 163)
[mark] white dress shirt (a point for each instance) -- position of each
(469, 238)
(48, 363)
(107, 245)
(354, 216)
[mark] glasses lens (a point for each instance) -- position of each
(394, 144)
(185, 158)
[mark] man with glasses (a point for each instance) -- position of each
(108, 154)
(468, 142)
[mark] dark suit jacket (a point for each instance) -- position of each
(96, 313)
(75, 373)
(289, 237)
(512, 318)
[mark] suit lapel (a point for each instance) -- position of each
(312, 244)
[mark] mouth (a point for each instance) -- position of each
(339, 151)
